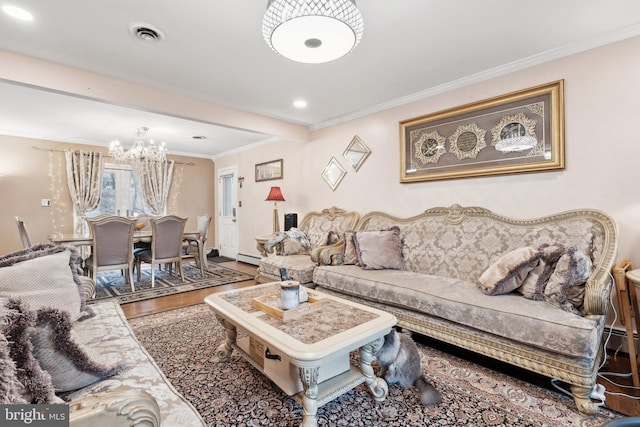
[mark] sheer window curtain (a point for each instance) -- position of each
(84, 177)
(153, 180)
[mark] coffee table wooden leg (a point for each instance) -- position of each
(378, 386)
(224, 351)
(309, 378)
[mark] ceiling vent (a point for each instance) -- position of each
(146, 32)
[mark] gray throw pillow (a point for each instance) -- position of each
(565, 288)
(70, 364)
(379, 250)
(349, 254)
(535, 282)
(509, 272)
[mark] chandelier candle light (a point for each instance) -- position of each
(275, 196)
(312, 31)
(139, 150)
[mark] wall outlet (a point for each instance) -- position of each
(45, 202)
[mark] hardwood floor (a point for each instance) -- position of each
(185, 299)
(618, 398)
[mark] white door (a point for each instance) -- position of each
(227, 207)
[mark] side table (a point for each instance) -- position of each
(261, 241)
(626, 281)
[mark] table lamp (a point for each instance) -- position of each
(275, 196)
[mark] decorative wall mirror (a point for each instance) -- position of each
(356, 153)
(333, 173)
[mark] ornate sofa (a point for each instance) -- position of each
(432, 286)
(319, 228)
(56, 349)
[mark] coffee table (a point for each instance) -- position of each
(306, 356)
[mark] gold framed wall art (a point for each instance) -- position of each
(268, 171)
(518, 132)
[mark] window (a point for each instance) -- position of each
(119, 193)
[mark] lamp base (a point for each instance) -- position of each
(276, 223)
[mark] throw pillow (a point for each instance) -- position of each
(509, 272)
(565, 288)
(378, 250)
(36, 383)
(349, 255)
(71, 365)
(332, 237)
(292, 247)
(44, 276)
(536, 280)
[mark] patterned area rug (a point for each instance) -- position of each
(111, 284)
(233, 393)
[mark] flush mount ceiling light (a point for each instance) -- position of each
(312, 31)
(17, 12)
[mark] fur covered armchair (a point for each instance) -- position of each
(299, 250)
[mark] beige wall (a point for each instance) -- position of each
(28, 175)
(602, 154)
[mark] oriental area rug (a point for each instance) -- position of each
(111, 284)
(233, 393)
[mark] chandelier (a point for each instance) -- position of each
(139, 150)
(312, 31)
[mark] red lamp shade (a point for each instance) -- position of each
(275, 195)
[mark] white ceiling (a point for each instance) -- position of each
(214, 51)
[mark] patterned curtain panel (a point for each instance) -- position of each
(84, 177)
(153, 180)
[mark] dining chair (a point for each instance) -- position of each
(167, 235)
(24, 234)
(195, 247)
(112, 247)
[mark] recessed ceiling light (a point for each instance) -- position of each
(300, 103)
(17, 12)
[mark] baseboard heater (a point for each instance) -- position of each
(618, 339)
(249, 259)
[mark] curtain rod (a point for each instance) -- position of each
(53, 150)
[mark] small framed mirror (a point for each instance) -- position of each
(356, 153)
(333, 173)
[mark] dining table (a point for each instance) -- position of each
(85, 239)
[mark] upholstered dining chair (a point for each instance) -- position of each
(112, 247)
(167, 235)
(24, 234)
(195, 247)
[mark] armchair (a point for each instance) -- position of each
(324, 231)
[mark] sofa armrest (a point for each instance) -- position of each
(122, 407)
(597, 293)
(328, 254)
